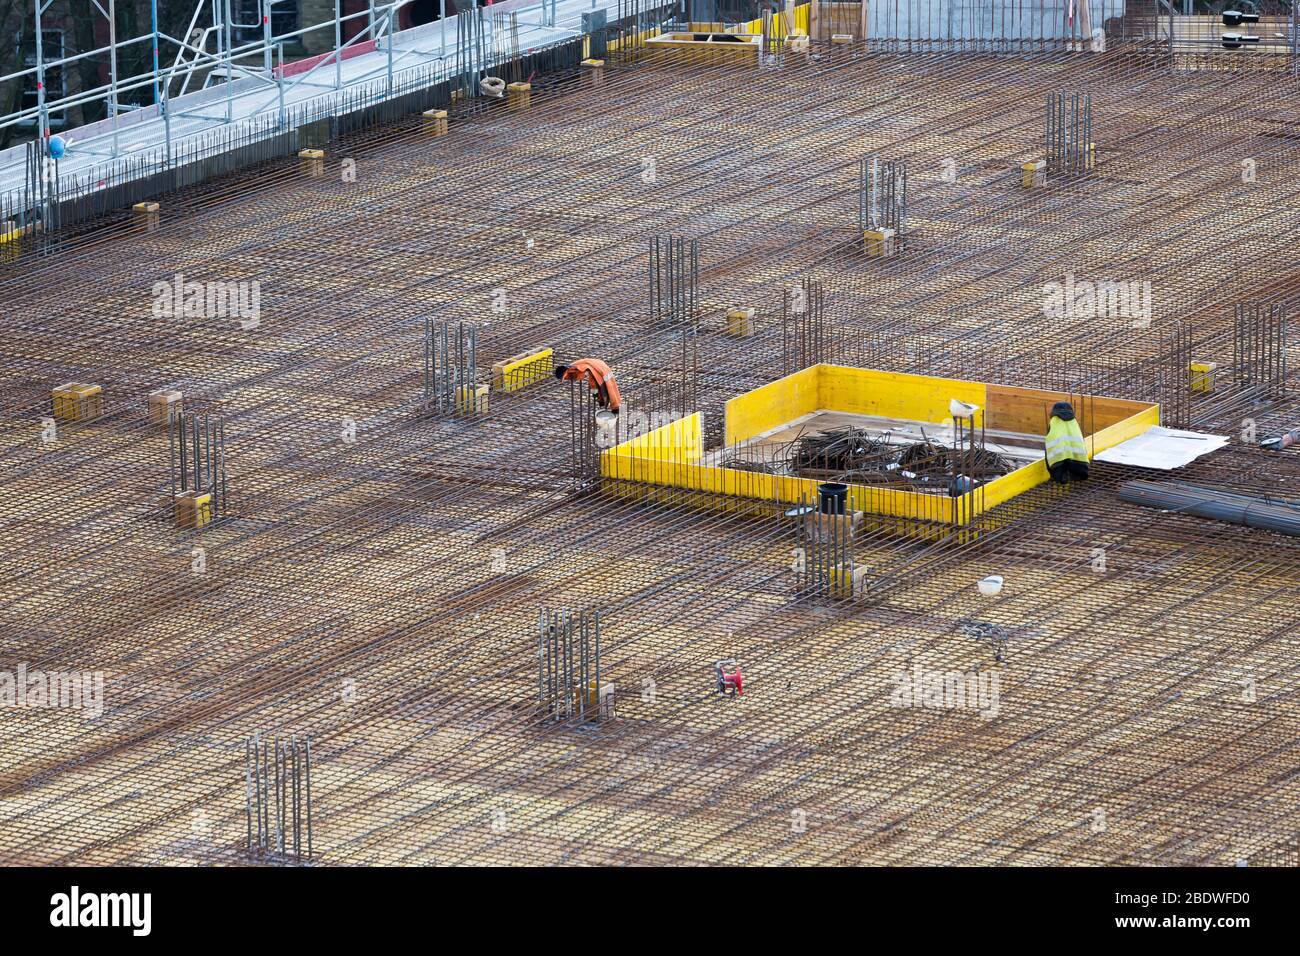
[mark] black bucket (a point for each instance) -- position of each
(833, 497)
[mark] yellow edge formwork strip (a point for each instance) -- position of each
(640, 37)
(519, 373)
(1122, 431)
(778, 20)
(669, 455)
(678, 440)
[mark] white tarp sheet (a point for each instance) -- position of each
(1162, 448)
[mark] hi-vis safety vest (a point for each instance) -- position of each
(1064, 441)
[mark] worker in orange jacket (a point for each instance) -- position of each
(599, 378)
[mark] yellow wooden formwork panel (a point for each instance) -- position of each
(677, 441)
(633, 41)
(772, 405)
(779, 22)
(1001, 490)
(12, 233)
(922, 398)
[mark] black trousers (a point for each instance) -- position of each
(1068, 470)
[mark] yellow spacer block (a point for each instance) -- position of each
(313, 161)
(193, 509)
(519, 95)
(147, 213)
(740, 323)
(77, 402)
(1202, 376)
(435, 122)
(595, 70)
(472, 399)
(164, 405)
(1033, 173)
(597, 704)
(879, 243)
(520, 371)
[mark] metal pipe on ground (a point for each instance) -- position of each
(1269, 515)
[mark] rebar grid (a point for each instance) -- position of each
(374, 593)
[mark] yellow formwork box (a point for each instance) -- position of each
(740, 323)
(519, 96)
(165, 405)
(672, 454)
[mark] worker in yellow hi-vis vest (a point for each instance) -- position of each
(1067, 455)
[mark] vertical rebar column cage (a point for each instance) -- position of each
(1070, 149)
(196, 446)
(674, 282)
(1175, 374)
(967, 466)
(674, 298)
(823, 554)
(569, 681)
(451, 370)
(1259, 344)
(588, 437)
(277, 798)
(807, 338)
(882, 194)
(472, 51)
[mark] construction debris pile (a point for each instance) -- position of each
(858, 456)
